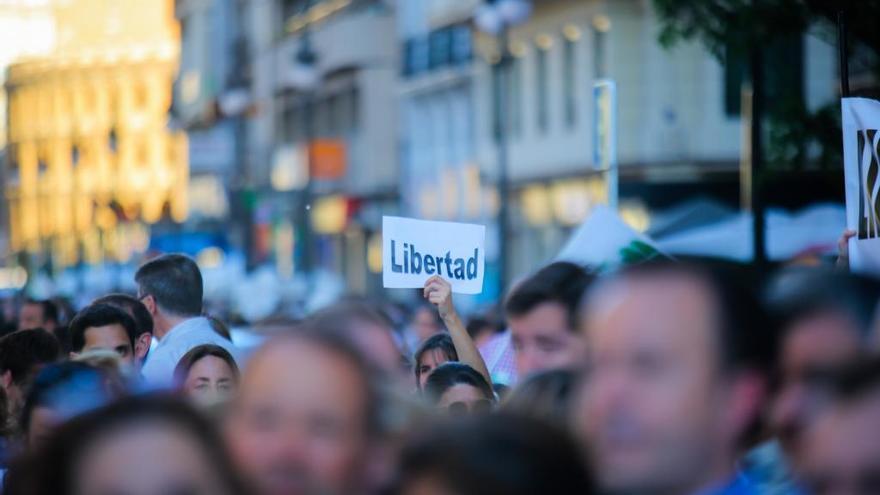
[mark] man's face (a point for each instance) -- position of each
(811, 345)
(651, 401)
(31, 316)
(542, 340)
(110, 338)
(842, 450)
(298, 425)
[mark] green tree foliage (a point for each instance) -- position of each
(730, 29)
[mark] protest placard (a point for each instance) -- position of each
(415, 250)
(861, 136)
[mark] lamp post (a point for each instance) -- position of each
(304, 77)
(234, 103)
(496, 17)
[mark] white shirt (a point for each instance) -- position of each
(158, 370)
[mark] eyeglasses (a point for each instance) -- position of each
(474, 408)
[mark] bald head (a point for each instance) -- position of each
(303, 418)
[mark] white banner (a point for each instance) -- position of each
(415, 250)
(861, 136)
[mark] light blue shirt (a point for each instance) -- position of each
(158, 370)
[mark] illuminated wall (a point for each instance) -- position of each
(89, 152)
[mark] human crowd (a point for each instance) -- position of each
(667, 377)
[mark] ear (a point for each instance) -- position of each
(6, 378)
(748, 391)
(150, 302)
(142, 345)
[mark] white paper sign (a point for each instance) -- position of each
(415, 250)
(861, 137)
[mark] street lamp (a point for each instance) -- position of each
(304, 77)
(496, 17)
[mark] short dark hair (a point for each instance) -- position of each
(196, 354)
(131, 305)
(99, 315)
(22, 352)
(50, 309)
(496, 454)
(560, 282)
(174, 281)
(450, 374)
(798, 293)
(51, 468)
(438, 342)
(545, 395)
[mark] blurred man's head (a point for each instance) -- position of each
(841, 447)
(38, 314)
(22, 353)
(368, 330)
(142, 320)
(104, 327)
(304, 417)
(170, 286)
(425, 322)
(542, 313)
(674, 380)
(823, 319)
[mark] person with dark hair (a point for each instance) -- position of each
(542, 316)
(208, 375)
(104, 327)
(545, 395)
(481, 329)
(435, 351)
(170, 286)
(678, 356)
(36, 313)
(500, 454)
(841, 446)
(142, 320)
(424, 322)
(59, 392)
(22, 354)
(458, 389)
(307, 415)
(92, 453)
(823, 319)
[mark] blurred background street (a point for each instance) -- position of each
(267, 138)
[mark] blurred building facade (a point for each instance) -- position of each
(678, 116)
(324, 132)
(212, 101)
(89, 153)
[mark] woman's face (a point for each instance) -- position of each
(210, 381)
(464, 399)
(428, 363)
(178, 464)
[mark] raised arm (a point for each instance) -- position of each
(439, 293)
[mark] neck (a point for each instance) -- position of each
(162, 324)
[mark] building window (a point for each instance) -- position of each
(541, 89)
(569, 85)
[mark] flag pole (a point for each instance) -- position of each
(843, 43)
